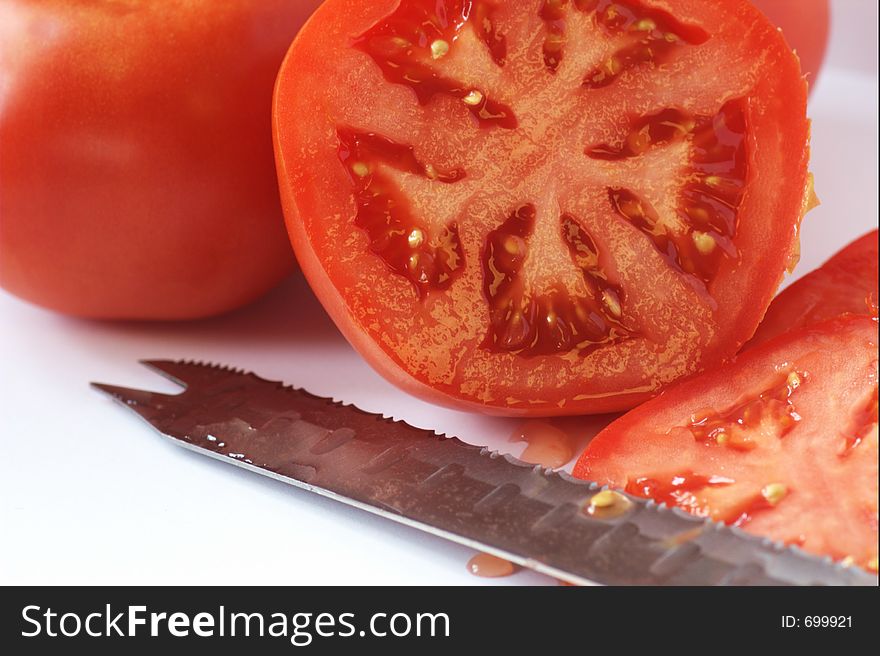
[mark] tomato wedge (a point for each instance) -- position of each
(542, 206)
(783, 442)
(847, 283)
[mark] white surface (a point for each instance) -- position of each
(89, 494)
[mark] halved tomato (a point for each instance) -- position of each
(783, 442)
(847, 283)
(542, 206)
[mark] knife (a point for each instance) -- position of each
(570, 529)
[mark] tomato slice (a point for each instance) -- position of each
(847, 283)
(782, 443)
(542, 206)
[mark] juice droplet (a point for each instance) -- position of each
(489, 566)
(546, 445)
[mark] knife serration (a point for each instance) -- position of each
(529, 515)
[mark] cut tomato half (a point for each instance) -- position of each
(847, 283)
(783, 442)
(542, 206)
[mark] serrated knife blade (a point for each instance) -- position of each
(527, 514)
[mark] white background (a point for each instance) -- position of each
(89, 494)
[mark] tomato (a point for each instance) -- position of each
(545, 208)
(847, 283)
(782, 443)
(136, 169)
(804, 24)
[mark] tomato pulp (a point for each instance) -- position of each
(542, 207)
(782, 443)
(136, 171)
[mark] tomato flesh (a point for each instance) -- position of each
(782, 442)
(847, 283)
(541, 206)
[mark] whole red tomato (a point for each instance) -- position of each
(804, 24)
(136, 169)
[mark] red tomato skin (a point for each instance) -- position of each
(136, 171)
(805, 26)
(845, 284)
(303, 182)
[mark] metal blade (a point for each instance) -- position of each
(529, 515)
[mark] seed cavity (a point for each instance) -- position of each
(396, 235)
(553, 13)
(529, 324)
(731, 426)
(429, 29)
(708, 202)
(657, 31)
(659, 34)
(646, 132)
